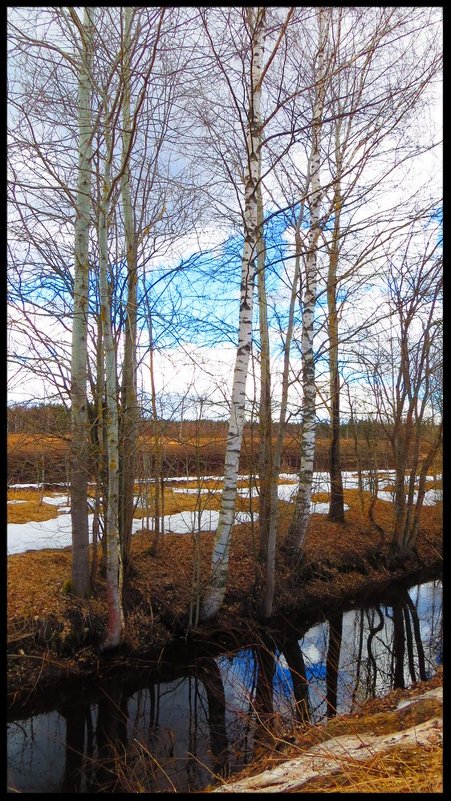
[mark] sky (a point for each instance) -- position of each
(196, 349)
(199, 368)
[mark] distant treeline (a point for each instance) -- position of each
(39, 446)
(54, 419)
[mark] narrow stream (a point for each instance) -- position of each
(175, 728)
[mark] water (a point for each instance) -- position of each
(174, 729)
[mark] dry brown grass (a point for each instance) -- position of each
(434, 484)
(28, 453)
(400, 769)
(35, 583)
(320, 497)
(161, 588)
(31, 508)
(36, 444)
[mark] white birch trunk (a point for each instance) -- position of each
(79, 403)
(220, 558)
(114, 573)
(298, 528)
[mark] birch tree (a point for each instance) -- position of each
(53, 194)
(366, 144)
(298, 528)
(160, 203)
(120, 455)
(217, 584)
(143, 207)
(336, 506)
(265, 406)
(268, 599)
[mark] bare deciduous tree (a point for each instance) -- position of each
(79, 401)
(217, 584)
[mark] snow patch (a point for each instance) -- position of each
(56, 500)
(56, 533)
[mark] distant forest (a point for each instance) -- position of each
(39, 445)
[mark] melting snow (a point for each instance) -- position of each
(56, 533)
(56, 500)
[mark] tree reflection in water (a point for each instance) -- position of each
(111, 738)
(140, 733)
(333, 662)
(212, 679)
(296, 665)
(264, 658)
(75, 746)
(374, 629)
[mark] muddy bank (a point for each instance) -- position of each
(206, 705)
(53, 635)
(34, 666)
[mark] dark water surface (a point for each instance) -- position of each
(175, 728)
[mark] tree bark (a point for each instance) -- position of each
(220, 558)
(79, 356)
(298, 527)
(277, 453)
(268, 500)
(114, 573)
(265, 417)
(336, 507)
(157, 442)
(129, 410)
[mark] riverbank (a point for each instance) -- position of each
(392, 744)
(53, 636)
